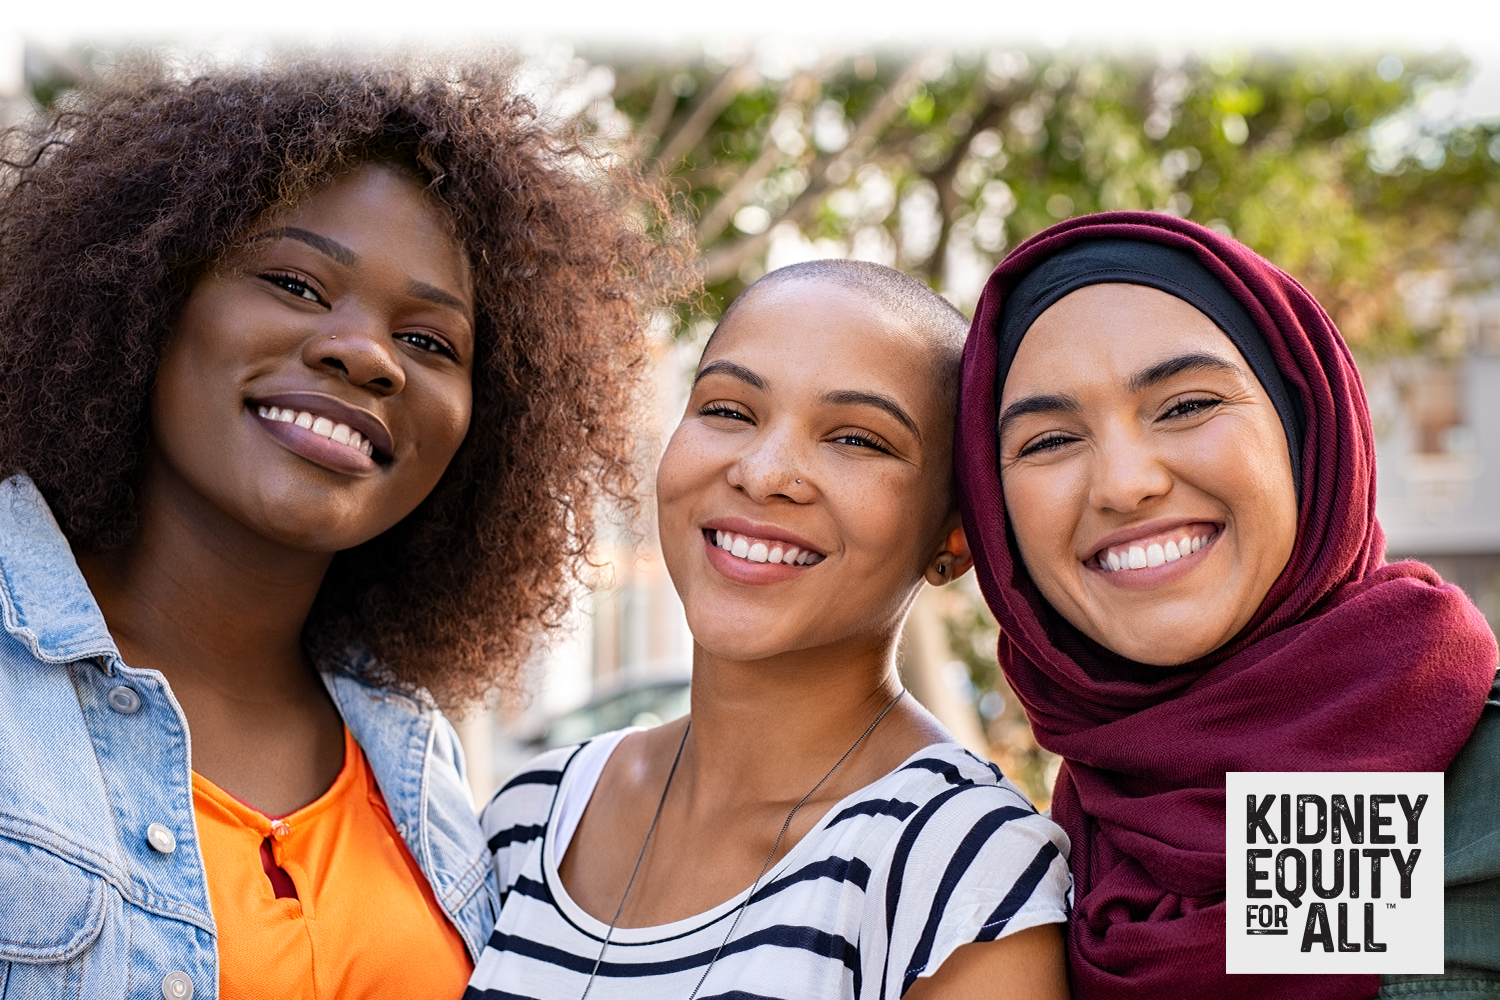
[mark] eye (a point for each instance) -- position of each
(429, 343)
(719, 409)
(1047, 442)
(293, 284)
(862, 439)
(1190, 408)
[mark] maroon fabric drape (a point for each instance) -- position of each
(1349, 664)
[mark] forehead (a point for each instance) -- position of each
(816, 334)
(378, 208)
(1108, 332)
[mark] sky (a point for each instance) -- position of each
(1469, 26)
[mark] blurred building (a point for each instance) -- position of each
(1438, 433)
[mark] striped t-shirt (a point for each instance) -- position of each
(940, 852)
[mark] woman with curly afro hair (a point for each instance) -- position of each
(313, 381)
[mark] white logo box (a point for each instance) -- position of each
(1299, 901)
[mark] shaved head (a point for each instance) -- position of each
(908, 302)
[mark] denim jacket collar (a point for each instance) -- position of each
(46, 603)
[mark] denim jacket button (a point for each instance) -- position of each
(177, 986)
(124, 700)
(161, 839)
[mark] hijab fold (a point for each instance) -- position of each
(1348, 665)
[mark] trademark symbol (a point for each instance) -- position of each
(1390, 906)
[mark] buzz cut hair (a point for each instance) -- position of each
(908, 300)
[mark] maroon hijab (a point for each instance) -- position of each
(1349, 664)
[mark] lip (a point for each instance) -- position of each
(753, 574)
(1154, 576)
(318, 449)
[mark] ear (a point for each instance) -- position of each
(953, 561)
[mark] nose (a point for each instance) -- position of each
(772, 467)
(357, 345)
(1127, 472)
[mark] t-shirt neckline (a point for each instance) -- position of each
(657, 933)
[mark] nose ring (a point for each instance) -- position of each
(799, 480)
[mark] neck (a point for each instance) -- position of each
(768, 728)
(202, 598)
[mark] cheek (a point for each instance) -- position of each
(1245, 466)
(685, 472)
(452, 416)
(1044, 504)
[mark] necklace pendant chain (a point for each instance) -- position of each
(740, 912)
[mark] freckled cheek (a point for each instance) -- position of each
(882, 518)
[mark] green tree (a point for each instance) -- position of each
(938, 162)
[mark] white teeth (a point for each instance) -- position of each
(1152, 555)
(757, 551)
(322, 426)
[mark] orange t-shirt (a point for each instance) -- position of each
(352, 916)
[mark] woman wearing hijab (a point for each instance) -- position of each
(1166, 470)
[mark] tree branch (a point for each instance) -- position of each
(801, 89)
(704, 114)
(720, 263)
(657, 119)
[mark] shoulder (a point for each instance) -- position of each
(536, 783)
(972, 836)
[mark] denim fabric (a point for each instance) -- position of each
(1471, 872)
(88, 908)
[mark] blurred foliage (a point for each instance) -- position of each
(939, 162)
(973, 637)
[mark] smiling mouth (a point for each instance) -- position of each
(761, 550)
(1156, 550)
(323, 427)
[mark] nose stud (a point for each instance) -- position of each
(799, 480)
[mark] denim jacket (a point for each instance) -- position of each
(102, 886)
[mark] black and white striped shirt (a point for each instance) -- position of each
(941, 852)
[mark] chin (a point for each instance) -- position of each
(1163, 647)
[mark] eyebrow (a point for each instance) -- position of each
(1139, 382)
(854, 397)
(324, 246)
(732, 370)
(1147, 377)
(432, 293)
(1053, 403)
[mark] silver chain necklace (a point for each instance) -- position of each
(763, 868)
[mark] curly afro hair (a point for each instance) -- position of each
(140, 182)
